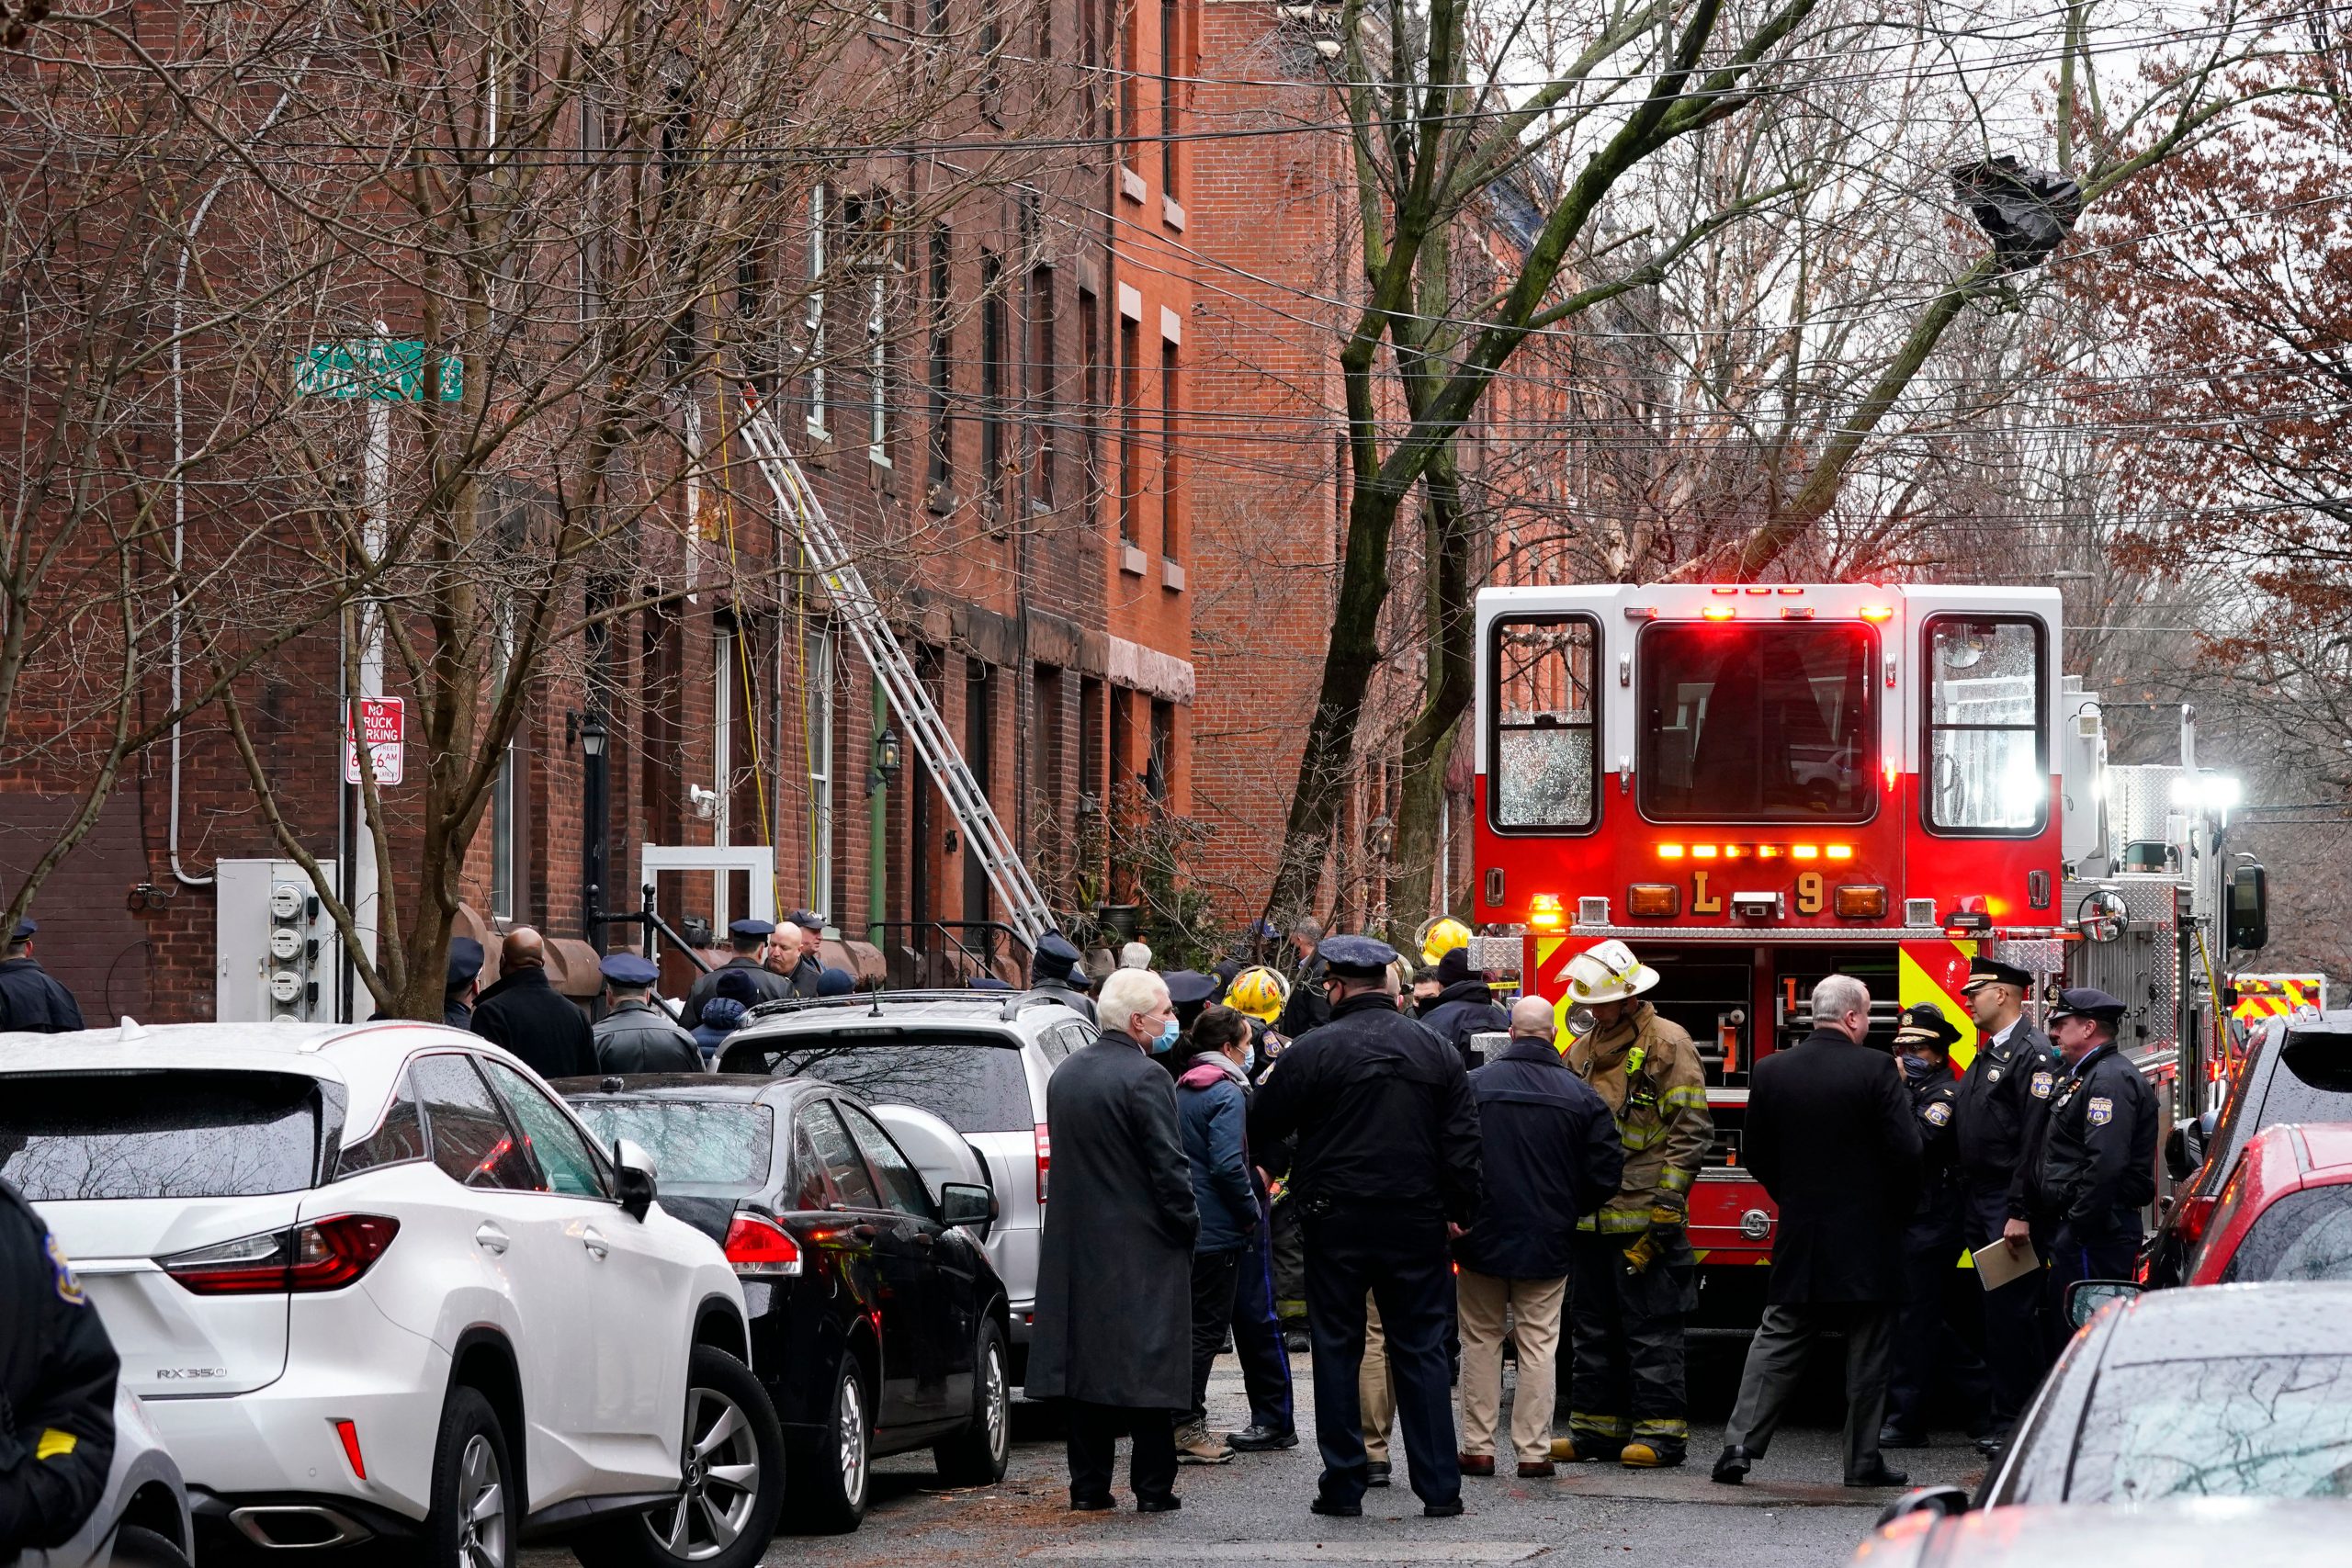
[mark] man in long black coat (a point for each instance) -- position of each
(1114, 1272)
(528, 1015)
(1831, 1135)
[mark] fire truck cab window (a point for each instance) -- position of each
(1544, 740)
(1987, 775)
(1757, 723)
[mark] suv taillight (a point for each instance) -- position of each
(324, 1255)
(2196, 1213)
(759, 1249)
(1045, 1159)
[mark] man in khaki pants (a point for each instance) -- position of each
(1551, 1156)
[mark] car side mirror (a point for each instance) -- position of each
(2084, 1297)
(2184, 1148)
(1943, 1502)
(632, 1177)
(966, 1203)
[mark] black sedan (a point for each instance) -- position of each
(877, 1323)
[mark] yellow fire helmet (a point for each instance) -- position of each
(1608, 972)
(1441, 938)
(1259, 992)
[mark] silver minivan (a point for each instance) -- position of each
(978, 1060)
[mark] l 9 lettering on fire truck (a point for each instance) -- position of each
(1755, 785)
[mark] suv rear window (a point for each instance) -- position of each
(2313, 1082)
(2304, 1236)
(162, 1135)
(975, 1083)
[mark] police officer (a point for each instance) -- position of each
(57, 1377)
(806, 970)
(464, 983)
(2099, 1157)
(2004, 1100)
(1053, 969)
(1635, 1279)
(636, 1035)
(1925, 1345)
(30, 996)
(1388, 1159)
(749, 940)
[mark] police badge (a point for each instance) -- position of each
(1936, 1115)
(2042, 1084)
(2101, 1112)
(1992, 1077)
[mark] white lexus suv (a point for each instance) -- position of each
(375, 1281)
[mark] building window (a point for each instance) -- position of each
(818, 695)
(1130, 424)
(942, 365)
(1045, 371)
(505, 825)
(979, 755)
(1090, 740)
(722, 730)
(1130, 62)
(813, 320)
(1168, 541)
(935, 17)
(1090, 398)
(1046, 766)
(992, 347)
(1170, 34)
(1162, 758)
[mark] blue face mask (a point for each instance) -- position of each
(1166, 1039)
(1921, 1069)
(1249, 1057)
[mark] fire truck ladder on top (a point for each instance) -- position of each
(926, 731)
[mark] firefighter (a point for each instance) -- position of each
(1633, 1280)
(1924, 1343)
(2003, 1101)
(2098, 1169)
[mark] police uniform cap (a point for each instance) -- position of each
(832, 982)
(2087, 1002)
(629, 969)
(807, 920)
(465, 960)
(1356, 957)
(1982, 971)
(25, 930)
(1924, 1024)
(989, 982)
(749, 927)
(1056, 948)
(1188, 986)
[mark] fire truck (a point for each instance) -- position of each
(1755, 785)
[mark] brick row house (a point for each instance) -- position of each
(988, 379)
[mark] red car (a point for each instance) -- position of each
(2285, 1212)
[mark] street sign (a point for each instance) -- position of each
(383, 723)
(384, 368)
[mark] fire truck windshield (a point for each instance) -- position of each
(1757, 723)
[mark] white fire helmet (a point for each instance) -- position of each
(1608, 972)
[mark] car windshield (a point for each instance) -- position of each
(694, 1143)
(2304, 1236)
(1757, 724)
(2233, 1426)
(161, 1135)
(975, 1083)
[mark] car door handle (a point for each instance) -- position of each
(864, 1232)
(595, 1243)
(924, 1239)
(489, 1238)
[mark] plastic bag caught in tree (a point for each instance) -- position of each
(2026, 211)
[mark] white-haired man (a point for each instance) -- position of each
(1831, 1135)
(1115, 1270)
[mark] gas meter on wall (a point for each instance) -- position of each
(278, 953)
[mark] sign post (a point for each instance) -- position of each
(381, 370)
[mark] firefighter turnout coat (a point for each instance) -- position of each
(1647, 1072)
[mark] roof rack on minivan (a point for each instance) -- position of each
(1015, 1002)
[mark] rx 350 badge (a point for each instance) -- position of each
(2101, 1111)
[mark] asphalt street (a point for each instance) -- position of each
(1792, 1513)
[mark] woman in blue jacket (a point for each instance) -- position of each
(1212, 1108)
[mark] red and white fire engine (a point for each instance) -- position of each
(1756, 785)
